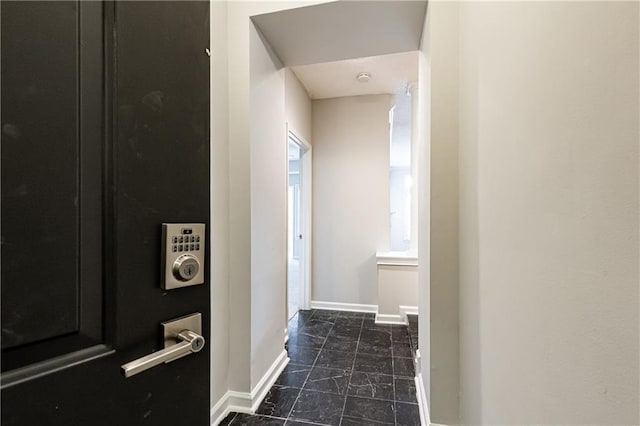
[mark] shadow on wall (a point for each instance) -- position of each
(367, 274)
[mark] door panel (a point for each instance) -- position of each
(51, 180)
(105, 135)
(33, 94)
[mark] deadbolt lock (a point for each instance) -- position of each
(183, 252)
(186, 267)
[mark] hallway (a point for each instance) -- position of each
(344, 370)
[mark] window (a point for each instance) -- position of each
(400, 179)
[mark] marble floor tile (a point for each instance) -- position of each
(371, 385)
(348, 322)
(399, 333)
(370, 324)
(355, 422)
(401, 350)
(413, 321)
(227, 420)
(242, 419)
(335, 359)
(400, 340)
(345, 330)
(407, 414)
(341, 343)
(302, 356)
(403, 367)
(372, 410)
(379, 349)
(306, 340)
(278, 401)
(369, 363)
(328, 380)
(376, 337)
(293, 375)
(348, 314)
(303, 316)
(405, 388)
(318, 407)
(325, 315)
(316, 328)
(342, 361)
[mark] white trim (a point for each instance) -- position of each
(396, 258)
(232, 401)
(243, 402)
(421, 393)
(306, 225)
(390, 319)
(260, 390)
(400, 319)
(352, 307)
(422, 401)
(416, 363)
(407, 310)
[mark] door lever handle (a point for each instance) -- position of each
(188, 342)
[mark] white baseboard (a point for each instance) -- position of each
(335, 306)
(421, 394)
(260, 390)
(244, 402)
(390, 319)
(232, 401)
(407, 310)
(400, 318)
(422, 401)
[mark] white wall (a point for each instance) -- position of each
(397, 287)
(549, 212)
(423, 173)
(238, 25)
(444, 354)
(268, 208)
(350, 199)
(256, 167)
(218, 244)
(297, 106)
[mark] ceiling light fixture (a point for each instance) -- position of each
(363, 77)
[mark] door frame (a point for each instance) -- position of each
(306, 195)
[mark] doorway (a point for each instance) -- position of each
(298, 223)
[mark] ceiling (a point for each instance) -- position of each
(343, 30)
(389, 73)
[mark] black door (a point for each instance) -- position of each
(105, 136)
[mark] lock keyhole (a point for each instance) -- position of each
(186, 267)
(197, 344)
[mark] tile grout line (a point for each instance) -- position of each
(355, 396)
(353, 366)
(312, 366)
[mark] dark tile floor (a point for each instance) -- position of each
(344, 370)
(413, 332)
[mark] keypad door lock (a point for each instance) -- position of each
(182, 255)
